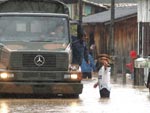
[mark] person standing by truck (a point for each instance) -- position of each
(88, 67)
(80, 50)
(81, 55)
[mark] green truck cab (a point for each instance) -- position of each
(34, 59)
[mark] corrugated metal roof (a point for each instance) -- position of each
(102, 17)
(105, 1)
(116, 1)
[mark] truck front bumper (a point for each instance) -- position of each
(40, 88)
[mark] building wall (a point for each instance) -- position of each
(126, 35)
(125, 39)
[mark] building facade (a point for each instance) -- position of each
(125, 32)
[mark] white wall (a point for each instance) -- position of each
(144, 11)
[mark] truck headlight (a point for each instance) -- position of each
(74, 76)
(6, 75)
(71, 76)
(67, 76)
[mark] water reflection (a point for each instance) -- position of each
(123, 99)
(3, 107)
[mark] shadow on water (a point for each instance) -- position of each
(37, 96)
(104, 100)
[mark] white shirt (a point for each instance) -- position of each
(104, 77)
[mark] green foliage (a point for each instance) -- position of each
(73, 29)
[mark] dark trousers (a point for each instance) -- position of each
(87, 75)
(104, 93)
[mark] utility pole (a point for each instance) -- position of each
(80, 12)
(111, 45)
(79, 27)
(111, 41)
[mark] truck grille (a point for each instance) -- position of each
(37, 76)
(48, 61)
(30, 61)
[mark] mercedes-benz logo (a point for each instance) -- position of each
(39, 60)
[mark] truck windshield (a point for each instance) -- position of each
(34, 28)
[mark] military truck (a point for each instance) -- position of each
(33, 58)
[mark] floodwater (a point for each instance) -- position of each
(123, 99)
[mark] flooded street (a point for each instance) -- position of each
(123, 99)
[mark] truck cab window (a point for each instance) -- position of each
(34, 28)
